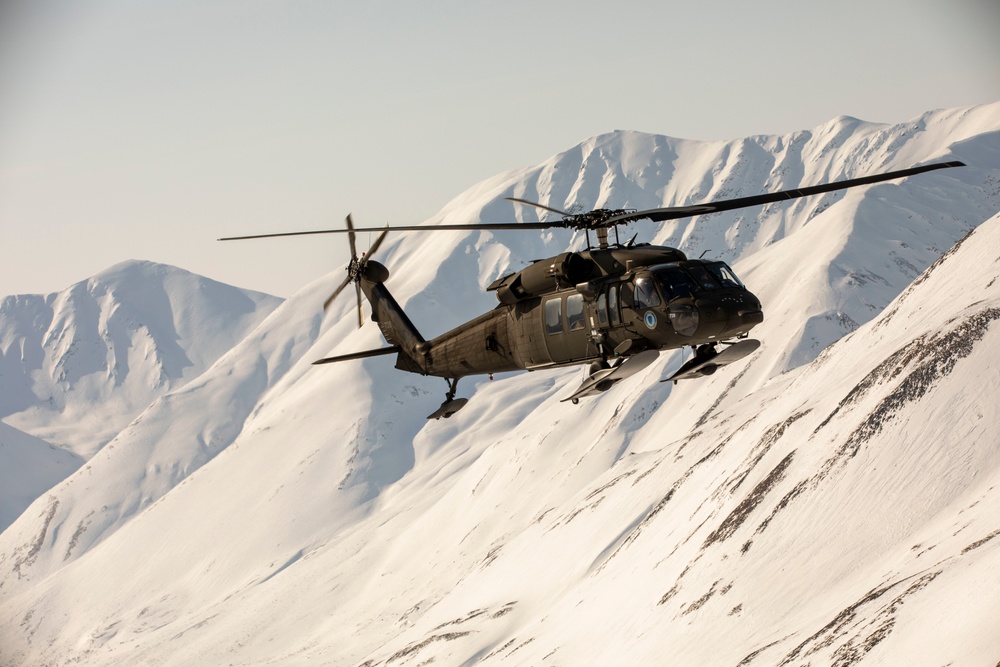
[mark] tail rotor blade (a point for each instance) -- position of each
(361, 315)
(350, 236)
(378, 242)
(326, 304)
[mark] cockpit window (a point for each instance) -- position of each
(725, 275)
(613, 310)
(602, 311)
(676, 283)
(645, 295)
(703, 277)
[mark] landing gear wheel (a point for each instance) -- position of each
(702, 364)
(599, 366)
(705, 352)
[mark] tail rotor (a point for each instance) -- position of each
(356, 268)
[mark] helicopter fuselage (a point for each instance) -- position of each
(587, 307)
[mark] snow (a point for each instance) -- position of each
(78, 365)
(830, 500)
(30, 467)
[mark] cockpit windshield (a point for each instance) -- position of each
(704, 279)
(677, 282)
(724, 274)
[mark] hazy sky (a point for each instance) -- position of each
(148, 128)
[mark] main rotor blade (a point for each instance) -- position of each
(326, 304)
(271, 236)
(675, 212)
(412, 228)
(537, 205)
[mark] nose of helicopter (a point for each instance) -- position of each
(746, 313)
(728, 314)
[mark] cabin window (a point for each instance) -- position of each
(724, 275)
(703, 277)
(613, 305)
(553, 316)
(676, 283)
(574, 312)
(602, 311)
(645, 295)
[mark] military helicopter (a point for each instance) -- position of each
(613, 306)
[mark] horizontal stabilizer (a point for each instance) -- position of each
(359, 355)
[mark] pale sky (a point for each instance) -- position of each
(145, 129)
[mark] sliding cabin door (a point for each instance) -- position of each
(566, 327)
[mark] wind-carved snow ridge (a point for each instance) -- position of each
(830, 500)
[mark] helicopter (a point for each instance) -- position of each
(614, 306)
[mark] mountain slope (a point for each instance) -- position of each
(78, 365)
(29, 467)
(174, 436)
(781, 511)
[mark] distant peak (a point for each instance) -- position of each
(133, 266)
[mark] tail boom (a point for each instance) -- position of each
(396, 327)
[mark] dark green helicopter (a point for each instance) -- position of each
(615, 307)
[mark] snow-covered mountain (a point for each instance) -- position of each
(816, 504)
(29, 467)
(77, 366)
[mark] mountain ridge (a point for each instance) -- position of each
(97, 353)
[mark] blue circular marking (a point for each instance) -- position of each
(651, 320)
